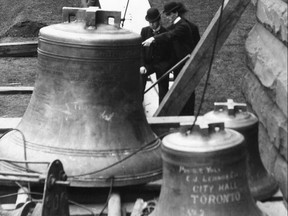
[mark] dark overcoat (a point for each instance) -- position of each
(157, 59)
(184, 36)
(157, 53)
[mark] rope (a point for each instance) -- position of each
(123, 19)
(168, 72)
(23, 138)
(82, 206)
(125, 158)
(96, 171)
(19, 161)
(26, 162)
(25, 152)
(210, 66)
(108, 197)
(15, 194)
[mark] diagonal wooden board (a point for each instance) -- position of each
(197, 65)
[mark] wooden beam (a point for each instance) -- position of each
(7, 90)
(164, 124)
(138, 207)
(114, 205)
(162, 120)
(197, 65)
(19, 49)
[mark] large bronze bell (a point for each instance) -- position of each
(204, 173)
(235, 116)
(86, 109)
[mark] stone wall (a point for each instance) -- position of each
(265, 85)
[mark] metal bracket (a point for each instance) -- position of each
(232, 107)
(92, 16)
(55, 201)
(203, 128)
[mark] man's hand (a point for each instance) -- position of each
(148, 41)
(143, 70)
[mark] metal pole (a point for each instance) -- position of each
(123, 19)
(168, 72)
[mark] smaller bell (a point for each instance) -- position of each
(235, 116)
(204, 173)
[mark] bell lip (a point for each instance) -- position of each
(199, 144)
(119, 181)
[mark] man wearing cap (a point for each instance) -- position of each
(155, 58)
(183, 35)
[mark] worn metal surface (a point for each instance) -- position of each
(86, 108)
(204, 173)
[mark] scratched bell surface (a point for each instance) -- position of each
(86, 108)
(204, 173)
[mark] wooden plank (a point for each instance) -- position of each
(198, 64)
(168, 124)
(114, 204)
(162, 120)
(7, 90)
(138, 207)
(19, 49)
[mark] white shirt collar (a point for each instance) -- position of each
(157, 29)
(177, 20)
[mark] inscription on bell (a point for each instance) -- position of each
(216, 198)
(211, 185)
(199, 170)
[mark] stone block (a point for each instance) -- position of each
(281, 91)
(273, 14)
(275, 164)
(281, 170)
(267, 150)
(267, 58)
(268, 113)
(283, 143)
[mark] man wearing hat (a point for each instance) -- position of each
(183, 35)
(155, 58)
